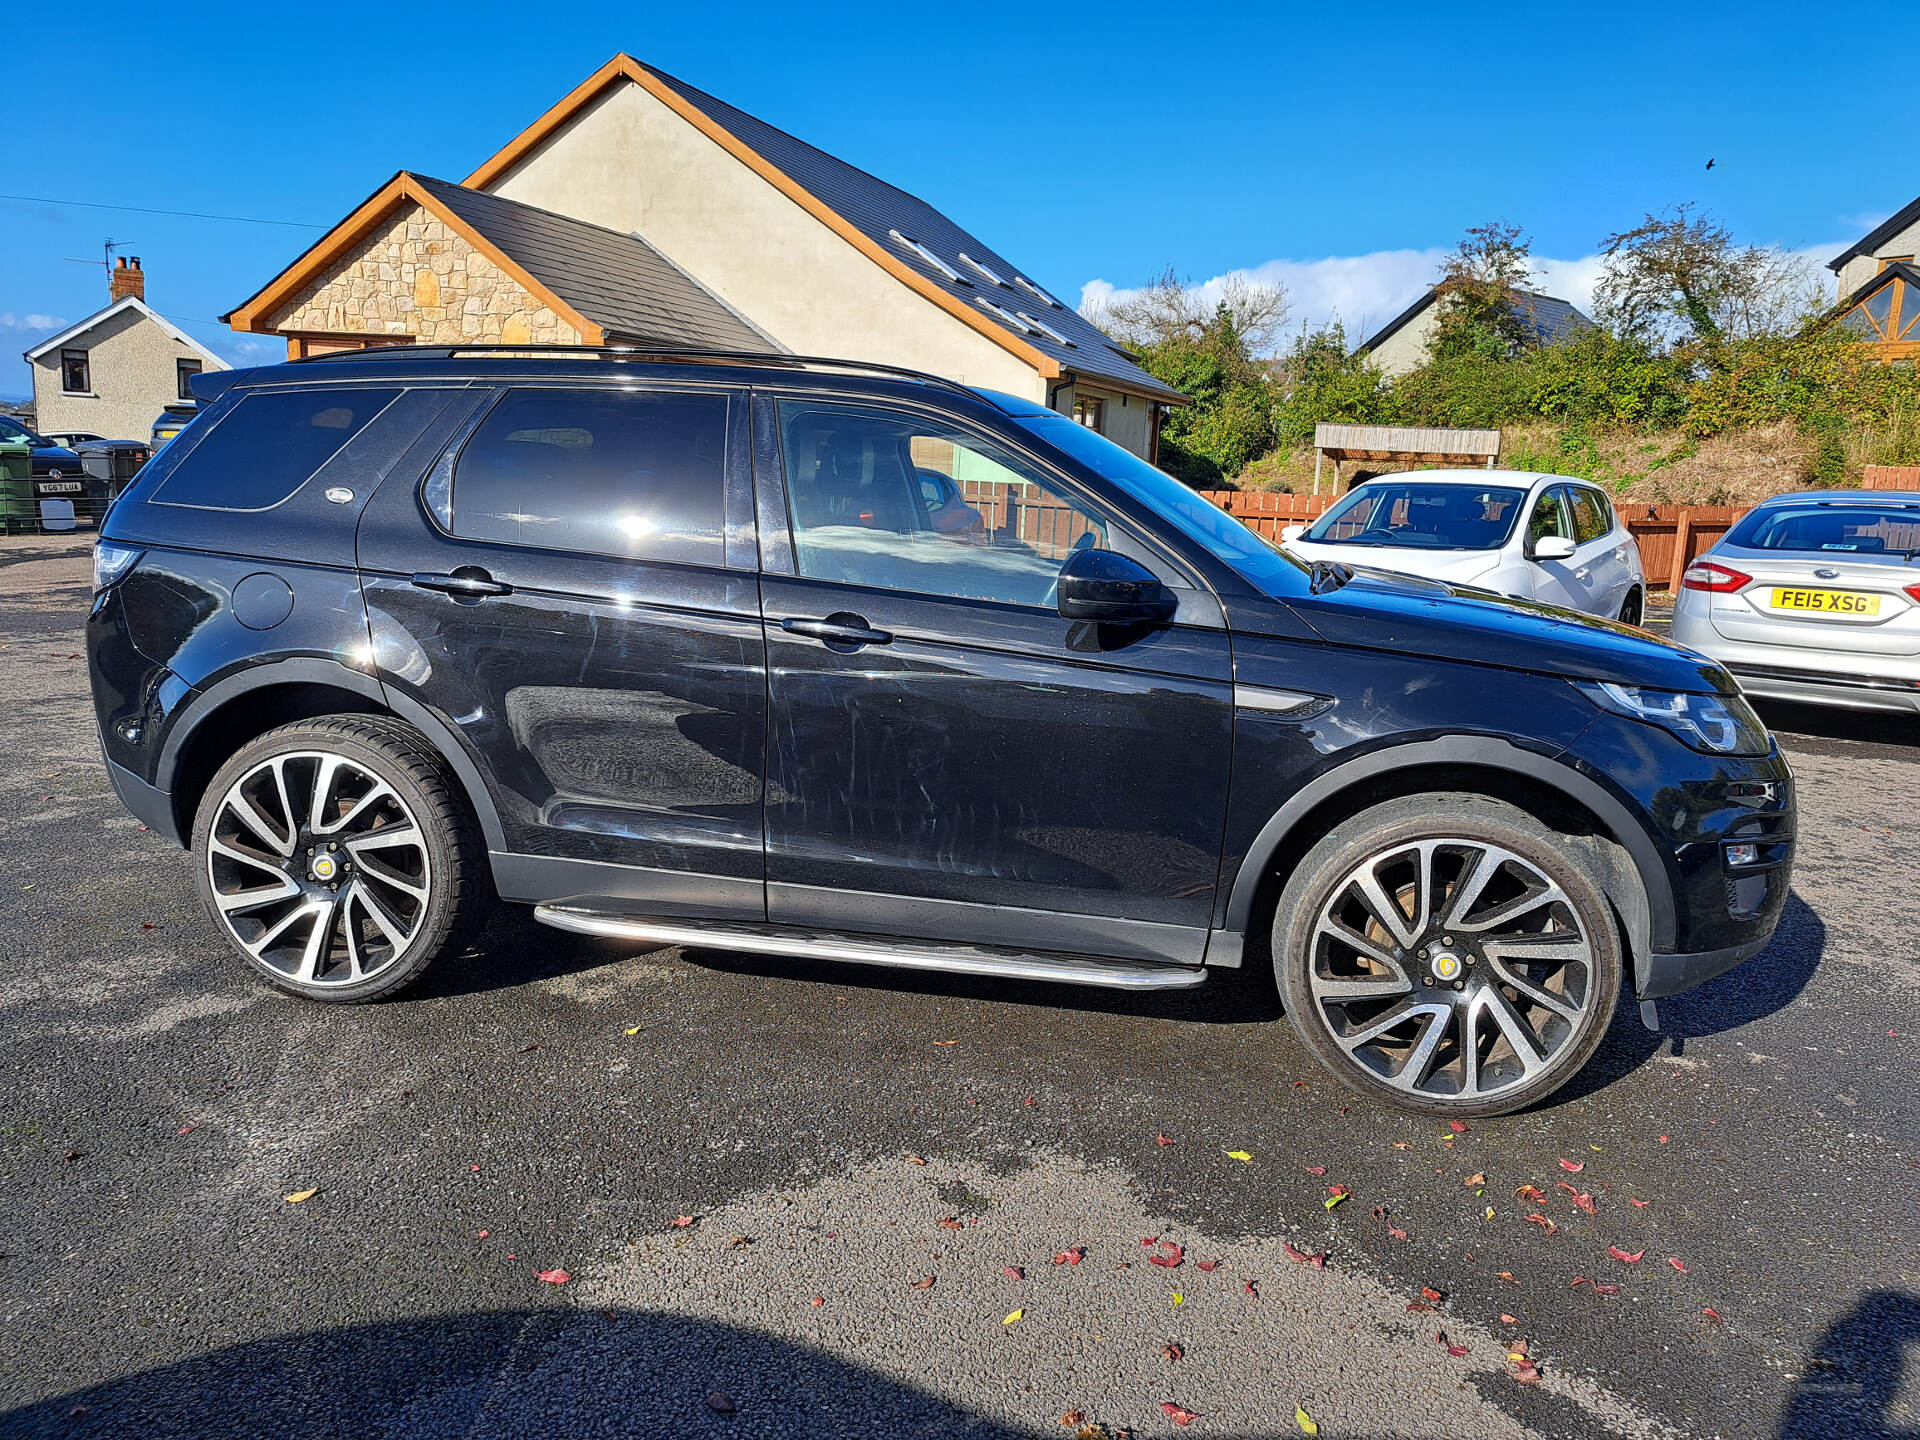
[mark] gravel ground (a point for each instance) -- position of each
(835, 1138)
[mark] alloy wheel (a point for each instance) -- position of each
(318, 868)
(1451, 969)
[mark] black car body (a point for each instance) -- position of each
(1100, 744)
(52, 462)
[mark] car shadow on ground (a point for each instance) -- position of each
(557, 1371)
(1863, 1378)
(1769, 982)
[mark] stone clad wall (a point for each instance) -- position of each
(415, 276)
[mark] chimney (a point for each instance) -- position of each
(127, 279)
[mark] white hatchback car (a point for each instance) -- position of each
(1465, 527)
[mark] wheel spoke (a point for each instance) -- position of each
(1566, 1009)
(1467, 888)
(379, 792)
(1512, 909)
(1383, 908)
(383, 839)
(217, 846)
(323, 775)
(242, 808)
(318, 941)
(239, 902)
(373, 870)
(1341, 990)
(389, 925)
(280, 927)
(1518, 1033)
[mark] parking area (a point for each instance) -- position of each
(570, 1189)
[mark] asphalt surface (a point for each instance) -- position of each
(836, 1137)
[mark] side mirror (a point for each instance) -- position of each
(1110, 589)
(1291, 533)
(1552, 547)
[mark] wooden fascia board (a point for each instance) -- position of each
(357, 226)
(626, 67)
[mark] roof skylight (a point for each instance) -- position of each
(908, 242)
(986, 270)
(1022, 280)
(1043, 329)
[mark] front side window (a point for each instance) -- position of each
(633, 473)
(1551, 516)
(183, 373)
(1590, 520)
(268, 446)
(898, 502)
(75, 376)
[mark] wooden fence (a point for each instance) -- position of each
(1670, 537)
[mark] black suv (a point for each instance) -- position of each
(827, 659)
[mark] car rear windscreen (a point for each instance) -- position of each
(1851, 529)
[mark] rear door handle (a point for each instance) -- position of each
(469, 582)
(839, 629)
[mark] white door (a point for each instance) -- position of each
(1553, 580)
(1599, 567)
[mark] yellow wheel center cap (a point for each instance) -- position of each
(324, 867)
(1446, 966)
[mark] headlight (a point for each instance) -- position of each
(1718, 724)
(110, 562)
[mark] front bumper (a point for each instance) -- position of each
(152, 808)
(1658, 976)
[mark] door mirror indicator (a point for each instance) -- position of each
(1551, 547)
(1111, 589)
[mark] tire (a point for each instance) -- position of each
(1633, 608)
(351, 903)
(1535, 1018)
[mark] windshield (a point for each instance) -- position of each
(11, 429)
(1191, 514)
(1422, 516)
(1849, 529)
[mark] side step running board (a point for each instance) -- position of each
(874, 950)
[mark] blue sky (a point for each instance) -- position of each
(1335, 148)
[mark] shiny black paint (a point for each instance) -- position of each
(991, 773)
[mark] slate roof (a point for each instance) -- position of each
(1878, 236)
(618, 281)
(1550, 318)
(877, 209)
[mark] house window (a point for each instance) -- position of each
(1891, 313)
(74, 377)
(183, 373)
(1886, 260)
(1091, 411)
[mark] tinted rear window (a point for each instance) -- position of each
(634, 473)
(268, 446)
(1864, 529)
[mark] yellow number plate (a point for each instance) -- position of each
(1832, 602)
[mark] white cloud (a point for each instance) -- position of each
(10, 321)
(1364, 292)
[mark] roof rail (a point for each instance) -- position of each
(637, 352)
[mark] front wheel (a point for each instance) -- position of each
(1443, 953)
(339, 857)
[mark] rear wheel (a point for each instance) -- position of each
(1632, 608)
(339, 858)
(1443, 953)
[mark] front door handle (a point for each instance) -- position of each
(839, 630)
(469, 582)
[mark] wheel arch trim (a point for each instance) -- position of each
(1642, 891)
(316, 670)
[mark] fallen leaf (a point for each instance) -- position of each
(1581, 1199)
(1712, 1314)
(1251, 1291)
(529, 1049)
(720, 1403)
(1316, 1169)
(1014, 1318)
(1459, 1127)
(952, 1222)
(1209, 1265)
(1241, 1155)
(1301, 1085)
(1531, 1192)
(1432, 1294)
(1396, 1232)
(680, 1222)
(926, 1284)
(916, 1159)
(552, 1277)
(1577, 1282)
(1402, 1145)
(1171, 1257)
(1544, 1223)
(1458, 1350)
(1510, 1319)
(1606, 1289)
(483, 1234)
(1072, 1417)
(1663, 1139)
(188, 1129)
(1178, 1415)
(1507, 1275)
(946, 1042)
(1638, 1204)
(1013, 1272)
(738, 1242)
(1474, 1181)
(1305, 1422)
(1301, 1257)
(1178, 1298)
(1415, 1307)
(633, 1030)
(299, 1196)
(1617, 1253)
(1071, 1257)
(1158, 1139)
(1028, 1100)
(1678, 1266)
(1172, 1352)
(819, 1300)
(1572, 1167)
(1335, 1195)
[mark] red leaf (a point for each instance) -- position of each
(1432, 1294)
(1510, 1319)
(1577, 1282)
(1617, 1253)
(1301, 1085)
(529, 1049)
(1029, 1100)
(1414, 1307)
(1149, 1240)
(1545, 1224)
(1677, 1265)
(553, 1277)
(1251, 1291)
(952, 1222)
(1013, 1272)
(1712, 1314)
(188, 1129)
(1319, 1262)
(1458, 1350)
(483, 1235)
(1316, 1169)
(926, 1284)
(1507, 1275)
(1606, 1289)
(1531, 1192)
(819, 1300)
(1073, 1417)
(916, 1160)
(1459, 1127)
(1573, 1167)
(1209, 1265)
(679, 1222)
(1581, 1200)
(1336, 1190)
(1172, 1351)
(1071, 1257)
(1663, 1139)
(1163, 1139)
(1396, 1233)
(1638, 1204)
(1177, 1415)
(1173, 1256)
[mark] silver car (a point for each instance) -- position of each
(1814, 597)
